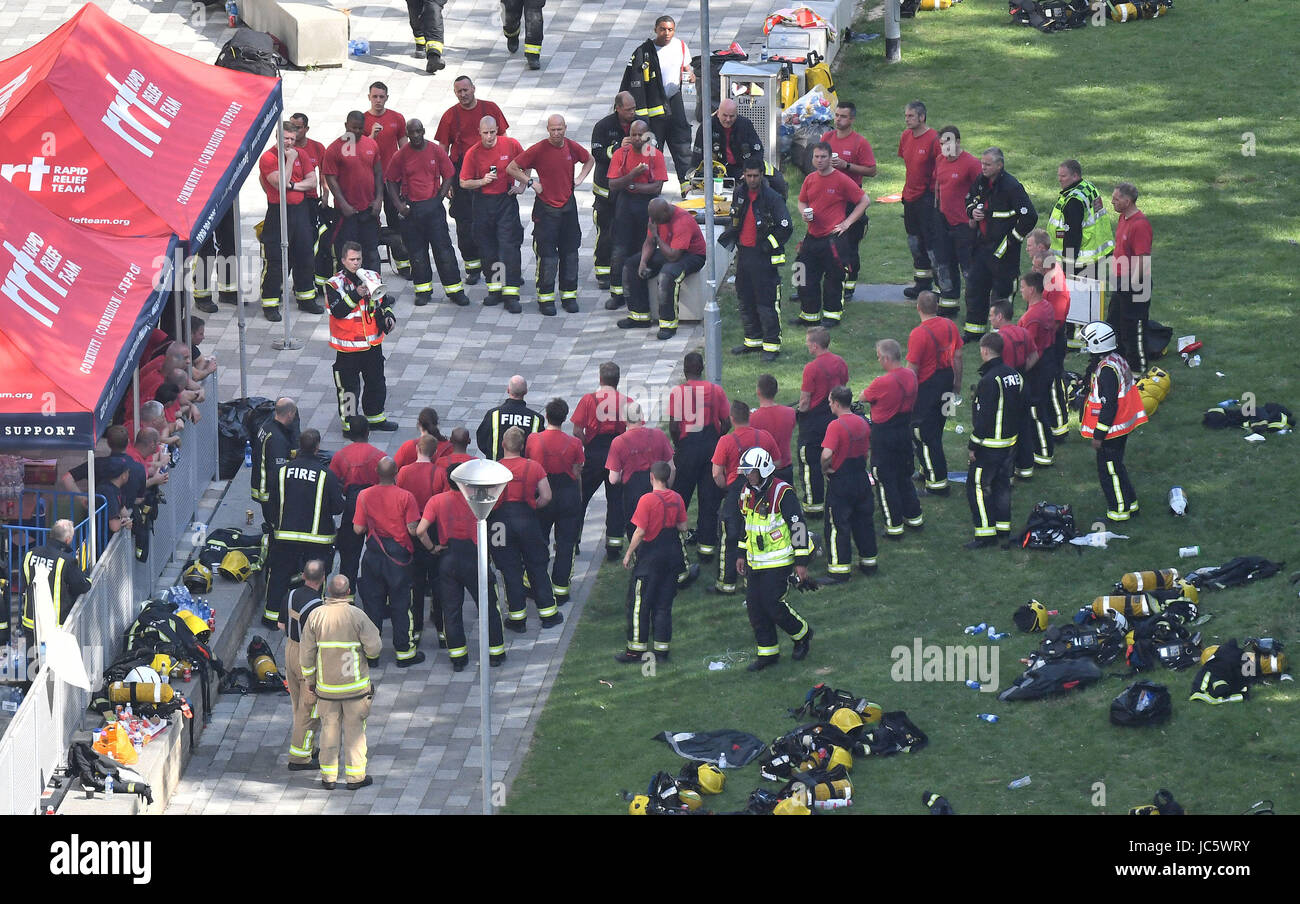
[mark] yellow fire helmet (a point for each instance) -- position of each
(797, 804)
(690, 799)
(235, 565)
(840, 757)
(711, 779)
(1031, 617)
(198, 627)
(1189, 591)
(163, 664)
(845, 719)
(198, 578)
(1208, 653)
(639, 805)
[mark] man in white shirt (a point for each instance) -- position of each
(675, 69)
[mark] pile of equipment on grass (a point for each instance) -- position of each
(682, 795)
(1145, 620)
(1061, 15)
(1048, 526)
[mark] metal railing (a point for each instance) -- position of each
(31, 530)
(37, 738)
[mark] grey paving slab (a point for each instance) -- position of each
(456, 359)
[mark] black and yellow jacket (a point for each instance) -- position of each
(1009, 214)
(606, 138)
(644, 82)
(995, 420)
(771, 221)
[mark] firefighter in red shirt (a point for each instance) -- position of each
(934, 355)
(417, 479)
(726, 477)
(657, 548)
(323, 217)
(636, 175)
(673, 250)
(523, 551)
(630, 456)
(697, 416)
(388, 129)
(919, 148)
(299, 178)
(823, 373)
(560, 456)
(1130, 291)
(1112, 411)
(458, 455)
(354, 466)
(458, 131)
(427, 424)
(449, 529)
(1057, 291)
(954, 173)
(387, 517)
(777, 420)
(556, 233)
(852, 155)
(419, 176)
(498, 231)
(830, 203)
(354, 171)
(848, 490)
(596, 421)
(1037, 445)
(892, 398)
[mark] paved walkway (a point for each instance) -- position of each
(423, 754)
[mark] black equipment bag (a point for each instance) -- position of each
(1141, 703)
(1048, 526)
(251, 51)
(1050, 15)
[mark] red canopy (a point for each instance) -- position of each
(112, 131)
(75, 309)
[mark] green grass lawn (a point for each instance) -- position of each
(1163, 104)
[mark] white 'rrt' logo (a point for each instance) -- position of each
(17, 283)
(121, 112)
(35, 171)
(7, 92)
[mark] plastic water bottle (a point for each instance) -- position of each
(1178, 501)
(1001, 635)
(1020, 782)
(248, 454)
(986, 717)
(108, 788)
(232, 13)
(972, 684)
(992, 631)
(1188, 552)
(722, 761)
(976, 629)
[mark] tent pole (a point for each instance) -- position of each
(237, 252)
(90, 494)
(187, 286)
(285, 293)
(135, 401)
(712, 314)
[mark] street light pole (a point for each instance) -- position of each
(712, 314)
(481, 482)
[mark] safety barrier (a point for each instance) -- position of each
(41, 508)
(36, 740)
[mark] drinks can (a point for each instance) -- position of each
(248, 516)
(1187, 552)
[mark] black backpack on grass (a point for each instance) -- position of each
(1142, 703)
(1048, 527)
(1050, 15)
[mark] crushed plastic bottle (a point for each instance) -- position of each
(1178, 501)
(976, 629)
(1020, 782)
(972, 684)
(986, 717)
